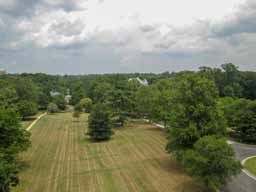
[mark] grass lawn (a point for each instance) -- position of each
(63, 159)
(250, 165)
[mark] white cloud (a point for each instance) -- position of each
(2, 23)
(134, 33)
(7, 4)
(107, 20)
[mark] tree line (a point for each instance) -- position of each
(198, 109)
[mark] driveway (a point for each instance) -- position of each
(242, 183)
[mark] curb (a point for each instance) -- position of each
(247, 172)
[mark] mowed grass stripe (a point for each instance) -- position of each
(63, 159)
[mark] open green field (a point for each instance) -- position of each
(250, 165)
(62, 159)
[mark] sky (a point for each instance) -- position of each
(112, 36)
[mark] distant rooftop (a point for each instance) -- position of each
(141, 81)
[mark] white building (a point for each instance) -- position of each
(2, 72)
(54, 93)
(141, 81)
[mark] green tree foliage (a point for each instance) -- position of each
(100, 123)
(232, 80)
(78, 107)
(59, 100)
(27, 109)
(249, 85)
(194, 113)
(78, 92)
(102, 92)
(211, 162)
(245, 122)
(145, 99)
(132, 87)
(233, 109)
(13, 139)
(52, 108)
(8, 96)
(163, 100)
(120, 103)
(43, 100)
(86, 104)
(26, 90)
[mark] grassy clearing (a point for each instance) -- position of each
(62, 159)
(250, 165)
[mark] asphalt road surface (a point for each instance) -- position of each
(242, 183)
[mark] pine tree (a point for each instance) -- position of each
(100, 123)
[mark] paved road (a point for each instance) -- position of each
(242, 183)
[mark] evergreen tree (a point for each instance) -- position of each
(100, 123)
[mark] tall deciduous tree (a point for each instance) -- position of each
(145, 99)
(194, 113)
(78, 92)
(232, 80)
(163, 100)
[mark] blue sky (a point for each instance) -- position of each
(106, 36)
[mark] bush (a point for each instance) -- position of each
(52, 108)
(211, 162)
(100, 123)
(76, 114)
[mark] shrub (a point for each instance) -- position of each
(52, 108)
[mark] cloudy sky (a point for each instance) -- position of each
(105, 36)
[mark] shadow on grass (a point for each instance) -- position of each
(88, 140)
(23, 165)
(29, 119)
